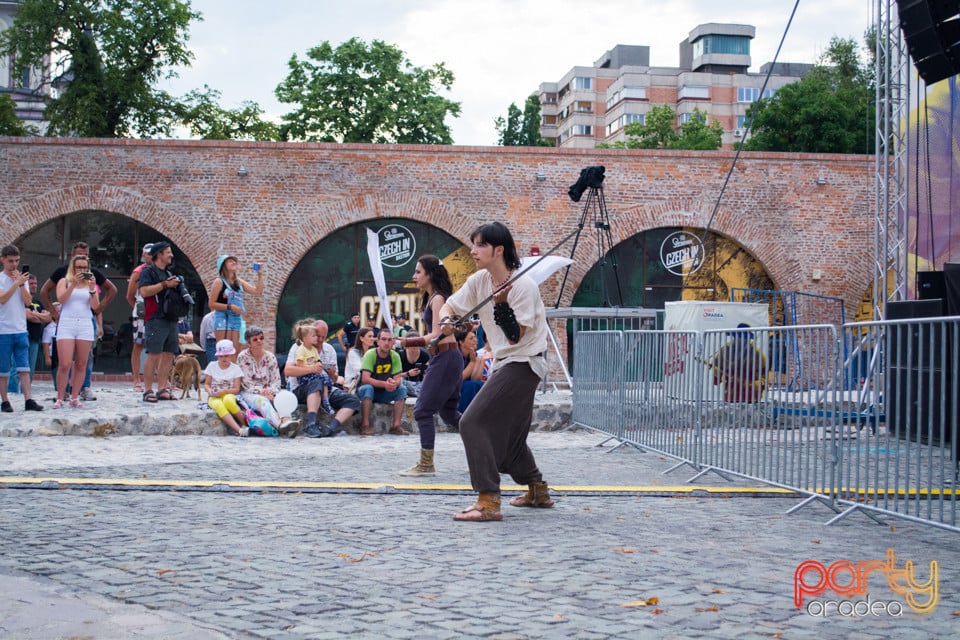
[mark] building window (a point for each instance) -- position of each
(549, 98)
(693, 91)
(582, 84)
(582, 130)
(624, 120)
(751, 94)
(685, 117)
(737, 45)
(583, 106)
(742, 122)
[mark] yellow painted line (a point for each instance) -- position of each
(272, 484)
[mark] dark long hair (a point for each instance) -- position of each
(496, 234)
(439, 278)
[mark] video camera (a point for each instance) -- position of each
(589, 177)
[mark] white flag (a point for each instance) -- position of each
(376, 267)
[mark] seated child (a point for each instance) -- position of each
(221, 381)
(307, 355)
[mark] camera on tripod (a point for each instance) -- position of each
(591, 177)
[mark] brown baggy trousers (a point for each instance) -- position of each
(495, 426)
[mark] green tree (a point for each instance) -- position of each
(521, 129)
(658, 131)
(108, 56)
(206, 119)
(10, 124)
(831, 110)
(361, 93)
(696, 134)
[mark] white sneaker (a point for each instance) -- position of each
(289, 428)
(244, 432)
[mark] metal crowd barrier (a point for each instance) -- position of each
(874, 439)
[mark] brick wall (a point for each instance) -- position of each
(295, 194)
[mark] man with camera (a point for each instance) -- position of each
(161, 339)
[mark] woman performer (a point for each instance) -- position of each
(440, 390)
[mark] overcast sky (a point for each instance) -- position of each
(499, 50)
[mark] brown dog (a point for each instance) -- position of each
(185, 374)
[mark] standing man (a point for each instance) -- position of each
(380, 381)
(161, 339)
(495, 426)
(349, 334)
(14, 342)
(107, 292)
(37, 318)
(135, 300)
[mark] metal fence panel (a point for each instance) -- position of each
(599, 382)
(756, 427)
(899, 452)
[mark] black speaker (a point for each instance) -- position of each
(951, 277)
(932, 32)
(932, 285)
(921, 406)
(914, 344)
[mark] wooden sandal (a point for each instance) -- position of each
(537, 495)
(478, 513)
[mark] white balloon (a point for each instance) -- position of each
(285, 402)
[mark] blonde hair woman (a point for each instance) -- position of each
(77, 294)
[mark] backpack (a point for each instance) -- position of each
(171, 304)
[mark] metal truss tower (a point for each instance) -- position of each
(890, 164)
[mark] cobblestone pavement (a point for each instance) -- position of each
(381, 561)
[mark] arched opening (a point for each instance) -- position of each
(334, 280)
(667, 264)
(115, 242)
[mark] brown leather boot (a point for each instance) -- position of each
(537, 495)
(424, 467)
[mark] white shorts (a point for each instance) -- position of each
(75, 329)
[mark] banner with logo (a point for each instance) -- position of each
(680, 361)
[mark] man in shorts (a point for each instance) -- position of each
(14, 341)
(161, 340)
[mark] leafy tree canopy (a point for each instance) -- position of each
(107, 56)
(831, 110)
(10, 124)
(521, 129)
(658, 132)
(365, 93)
(207, 120)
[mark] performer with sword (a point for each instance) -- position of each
(495, 426)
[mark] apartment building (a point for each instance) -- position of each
(593, 104)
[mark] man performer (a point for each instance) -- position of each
(495, 426)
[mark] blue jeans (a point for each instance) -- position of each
(381, 396)
(14, 384)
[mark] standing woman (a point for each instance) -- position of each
(77, 295)
(226, 298)
(440, 390)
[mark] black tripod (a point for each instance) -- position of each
(596, 206)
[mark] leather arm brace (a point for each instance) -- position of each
(417, 341)
(505, 318)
